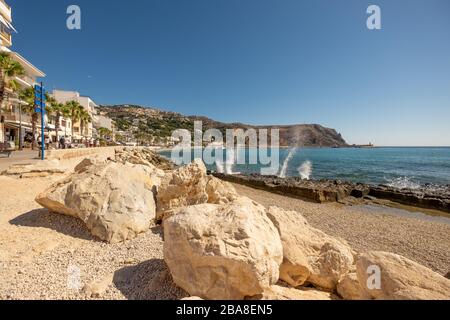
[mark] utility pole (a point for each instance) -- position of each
(39, 102)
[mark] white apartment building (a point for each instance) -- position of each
(87, 103)
(14, 119)
(102, 121)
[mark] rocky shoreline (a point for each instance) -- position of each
(196, 234)
(325, 191)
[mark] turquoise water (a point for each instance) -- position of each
(401, 167)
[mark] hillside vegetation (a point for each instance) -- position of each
(150, 125)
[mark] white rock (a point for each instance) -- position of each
(220, 192)
(310, 256)
(401, 278)
(96, 288)
(182, 187)
(228, 251)
(190, 185)
(350, 289)
(115, 201)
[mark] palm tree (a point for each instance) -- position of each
(75, 112)
(8, 70)
(85, 119)
(104, 133)
(27, 96)
(59, 110)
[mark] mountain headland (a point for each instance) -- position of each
(150, 125)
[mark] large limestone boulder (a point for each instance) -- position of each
(401, 278)
(310, 256)
(350, 289)
(182, 187)
(149, 169)
(142, 156)
(228, 251)
(89, 161)
(115, 201)
(190, 185)
(220, 192)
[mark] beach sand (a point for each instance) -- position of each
(39, 250)
(425, 240)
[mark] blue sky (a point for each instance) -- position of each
(256, 61)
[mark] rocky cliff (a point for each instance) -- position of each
(146, 123)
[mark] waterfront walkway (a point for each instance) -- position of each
(18, 157)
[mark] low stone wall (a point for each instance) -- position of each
(74, 154)
(319, 192)
(71, 154)
(416, 199)
(333, 191)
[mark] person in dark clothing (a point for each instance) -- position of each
(62, 142)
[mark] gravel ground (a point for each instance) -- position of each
(426, 241)
(50, 256)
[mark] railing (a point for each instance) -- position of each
(5, 9)
(7, 5)
(27, 79)
(15, 116)
(5, 35)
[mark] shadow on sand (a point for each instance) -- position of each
(42, 218)
(149, 280)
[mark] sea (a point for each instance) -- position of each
(400, 167)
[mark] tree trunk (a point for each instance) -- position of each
(58, 119)
(82, 132)
(2, 103)
(34, 129)
(73, 123)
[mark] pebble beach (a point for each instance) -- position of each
(38, 249)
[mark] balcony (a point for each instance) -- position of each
(14, 116)
(25, 81)
(5, 36)
(30, 69)
(5, 10)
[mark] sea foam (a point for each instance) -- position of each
(305, 170)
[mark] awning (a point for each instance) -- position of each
(11, 27)
(7, 24)
(14, 125)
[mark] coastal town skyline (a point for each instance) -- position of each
(388, 86)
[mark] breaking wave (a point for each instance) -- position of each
(305, 170)
(285, 166)
(228, 166)
(404, 183)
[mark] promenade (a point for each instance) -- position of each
(18, 157)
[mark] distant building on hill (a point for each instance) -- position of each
(101, 121)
